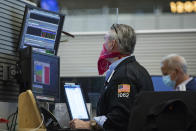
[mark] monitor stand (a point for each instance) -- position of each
(29, 116)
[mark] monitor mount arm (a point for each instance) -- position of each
(68, 34)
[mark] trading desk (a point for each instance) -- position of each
(29, 114)
(70, 130)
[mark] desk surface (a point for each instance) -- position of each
(69, 130)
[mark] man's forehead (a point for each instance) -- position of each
(106, 35)
(164, 65)
(164, 70)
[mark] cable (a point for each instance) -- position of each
(40, 124)
(13, 121)
(8, 119)
(13, 125)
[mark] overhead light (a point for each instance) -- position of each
(194, 6)
(183, 7)
(180, 7)
(188, 6)
(173, 7)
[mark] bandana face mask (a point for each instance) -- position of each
(103, 63)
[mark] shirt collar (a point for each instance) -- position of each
(182, 86)
(110, 71)
(114, 64)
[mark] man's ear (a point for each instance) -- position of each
(114, 44)
(178, 70)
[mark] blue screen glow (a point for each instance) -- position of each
(159, 85)
(50, 5)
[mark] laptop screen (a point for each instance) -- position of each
(159, 85)
(75, 102)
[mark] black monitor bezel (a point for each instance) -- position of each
(60, 27)
(68, 105)
(57, 97)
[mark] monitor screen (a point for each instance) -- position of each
(75, 102)
(41, 72)
(51, 5)
(159, 85)
(45, 76)
(41, 29)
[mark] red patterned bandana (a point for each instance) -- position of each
(103, 64)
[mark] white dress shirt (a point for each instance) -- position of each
(182, 86)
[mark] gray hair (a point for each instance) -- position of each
(125, 37)
(174, 60)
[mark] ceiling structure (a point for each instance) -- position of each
(124, 6)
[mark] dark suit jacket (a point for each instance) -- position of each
(191, 86)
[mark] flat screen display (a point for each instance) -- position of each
(51, 5)
(42, 72)
(45, 76)
(41, 28)
(75, 102)
(159, 85)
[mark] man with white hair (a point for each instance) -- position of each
(174, 70)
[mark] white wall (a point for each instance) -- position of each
(78, 56)
(101, 22)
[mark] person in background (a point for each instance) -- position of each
(174, 70)
(125, 78)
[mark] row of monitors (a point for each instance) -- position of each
(40, 72)
(42, 29)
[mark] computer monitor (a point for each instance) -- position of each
(40, 73)
(41, 29)
(51, 5)
(159, 85)
(75, 102)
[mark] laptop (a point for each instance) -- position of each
(76, 104)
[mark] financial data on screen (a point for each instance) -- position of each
(42, 72)
(76, 101)
(41, 29)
